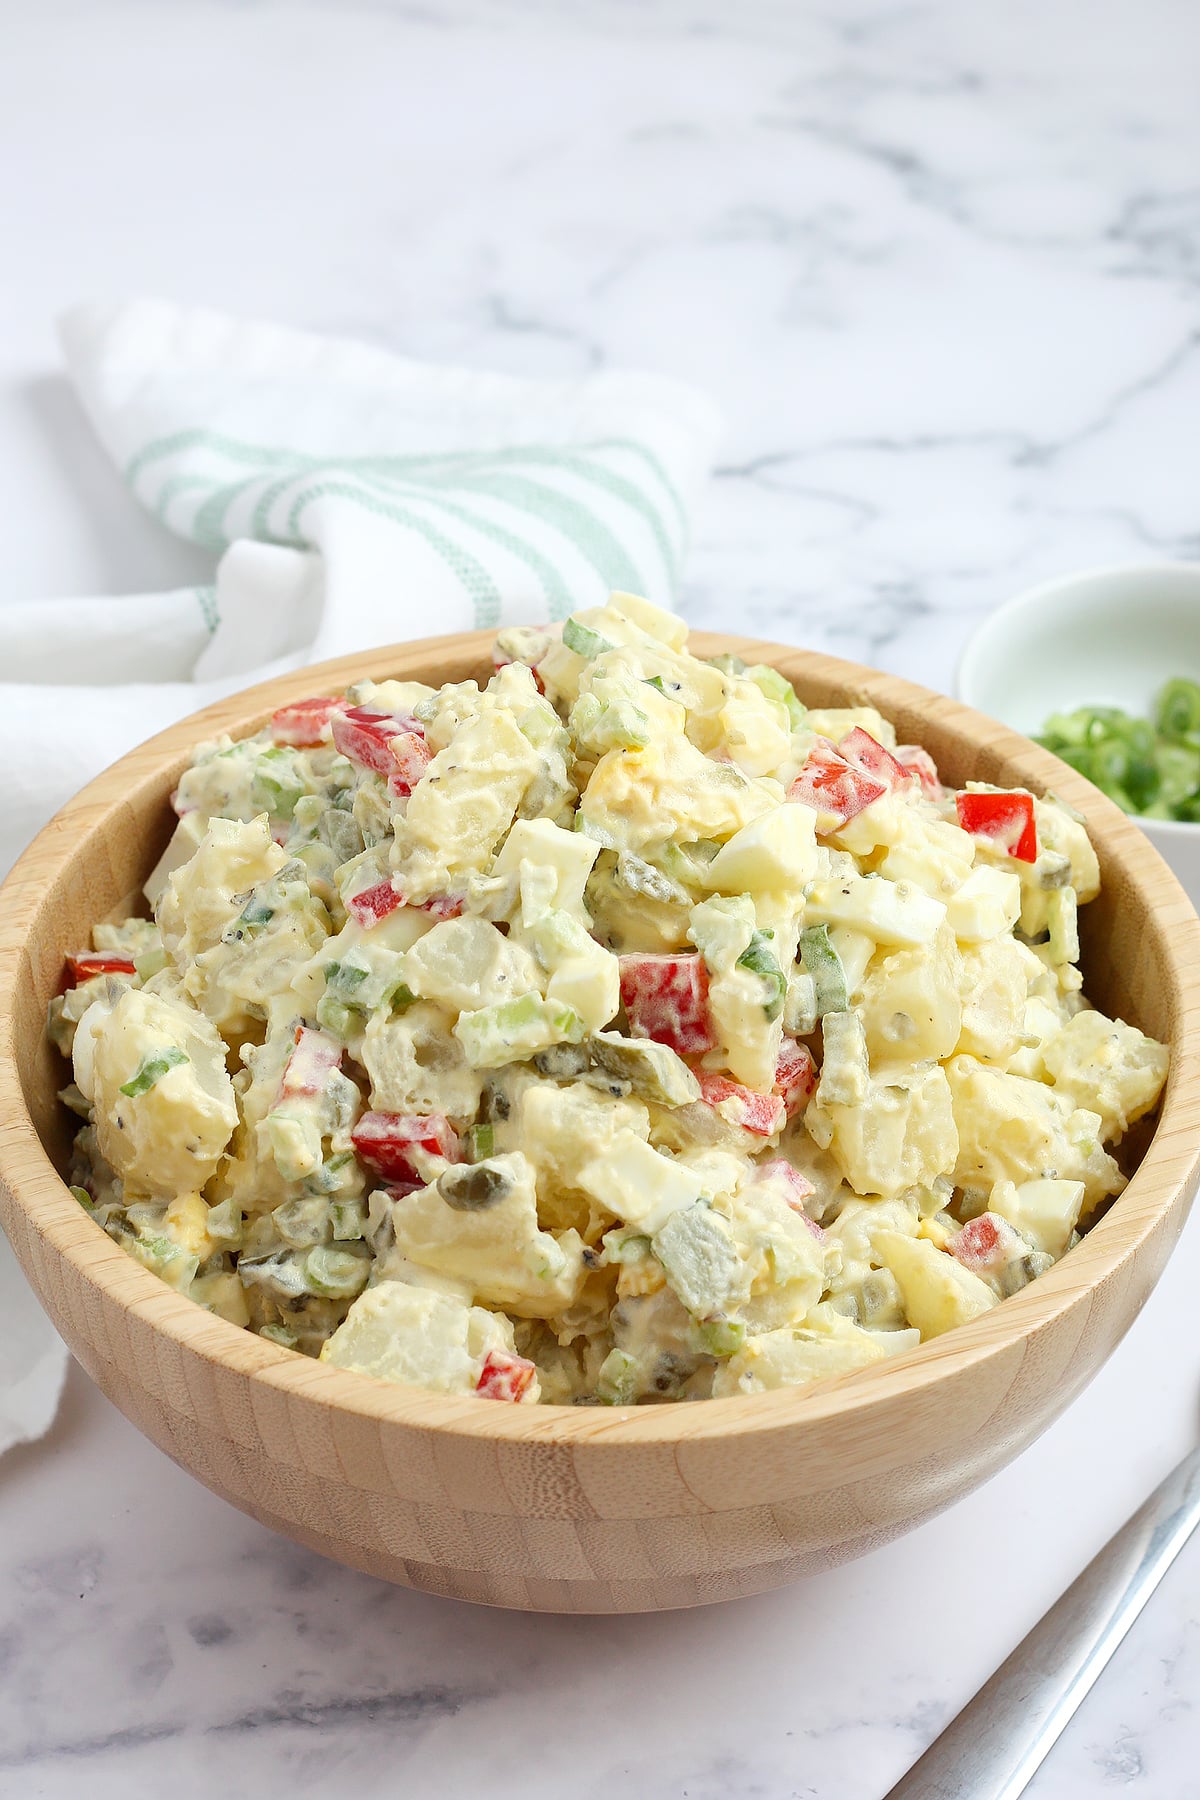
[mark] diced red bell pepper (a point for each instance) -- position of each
(411, 756)
(504, 1377)
(441, 906)
(445, 906)
(386, 1142)
(102, 962)
(303, 723)
(666, 999)
(873, 758)
(373, 903)
(314, 1056)
(1004, 819)
(762, 1114)
(400, 1190)
(833, 787)
(797, 1186)
(918, 762)
(987, 1244)
(366, 737)
(795, 1075)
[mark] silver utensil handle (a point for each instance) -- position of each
(993, 1748)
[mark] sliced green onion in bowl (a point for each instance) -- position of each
(1151, 768)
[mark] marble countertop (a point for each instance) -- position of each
(941, 266)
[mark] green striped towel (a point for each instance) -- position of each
(353, 498)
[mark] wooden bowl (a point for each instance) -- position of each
(584, 1509)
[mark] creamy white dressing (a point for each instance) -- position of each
(559, 1038)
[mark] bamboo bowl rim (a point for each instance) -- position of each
(1168, 1166)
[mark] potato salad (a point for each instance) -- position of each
(616, 1029)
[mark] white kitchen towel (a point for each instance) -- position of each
(353, 498)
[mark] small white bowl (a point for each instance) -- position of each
(1108, 637)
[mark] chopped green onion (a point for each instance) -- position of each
(722, 1337)
(777, 687)
(481, 1142)
(609, 724)
(1177, 713)
(583, 640)
(617, 1381)
(255, 913)
(165, 1258)
(336, 1274)
(150, 962)
(1178, 774)
(624, 1246)
(344, 977)
(330, 1176)
(334, 1015)
(83, 1197)
(151, 1069)
(342, 998)
(347, 1220)
(276, 786)
(278, 1334)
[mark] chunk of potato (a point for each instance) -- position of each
(417, 1065)
(902, 1134)
(466, 963)
(167, 1134)
(1014, 1129)
(795, 1355)
(910, 1004)
(479, 1225)
(420, 1337)
(1108, 1067)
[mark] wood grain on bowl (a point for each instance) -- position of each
(592, 1508)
